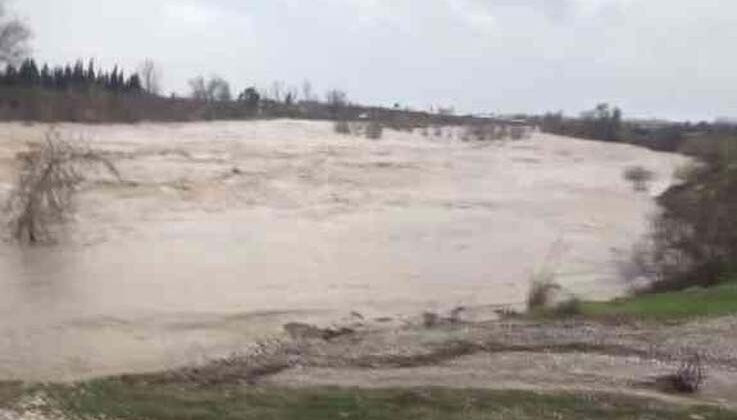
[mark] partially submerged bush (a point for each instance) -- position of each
(690, 376)
(374, 130)
(342, 127)
(430, 319)
(456, 315)
(517, 132)
(639, 176)
(542, 289)
(493, 131)
(49, 175)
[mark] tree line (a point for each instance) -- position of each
(602, 123)
(606, 123)
(75, 76)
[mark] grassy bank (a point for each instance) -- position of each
(113, 398)
(670, 306)
(686, 304)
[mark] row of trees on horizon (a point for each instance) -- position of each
(85, 77)
(77, 76)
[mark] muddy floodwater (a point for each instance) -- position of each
(221, 232)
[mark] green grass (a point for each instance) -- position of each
(692, 303)
(669, 306)
(120, 400)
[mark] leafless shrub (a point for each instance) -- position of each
(374, 130)
(337, 101)
(542, 288)
(639, 177)
(480, 132)
(689, 378)
(456, 315)
(492, 131)
(342, 127)
(356, 128)
(542, 282)
(49, 175)
(151, 77)
(517, 133)
(430, 319)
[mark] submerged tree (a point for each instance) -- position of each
(336, 101)
(49, 175)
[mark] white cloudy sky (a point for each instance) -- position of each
(670, 58)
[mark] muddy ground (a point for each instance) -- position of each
(633, 358)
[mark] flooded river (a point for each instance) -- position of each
(221, 232)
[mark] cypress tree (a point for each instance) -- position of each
(100, 80)
(67, 78)
(47, 80)
(58, 77)
(78, 76)
(28, 75)
(91, 72)
(134, 84)
(112, 83)
(120, 84)
(11, 75)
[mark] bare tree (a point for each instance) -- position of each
(307, 91)
(198, 89)
(151, 76)
(276, 91)
(218, 90)
(14, 36)
(337, 100)
(50, 174)
(639, 177)
(292, 95)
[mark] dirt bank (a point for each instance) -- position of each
(574, 356)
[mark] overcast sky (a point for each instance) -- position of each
(666, 58)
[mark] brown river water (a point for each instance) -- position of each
(222, 232)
